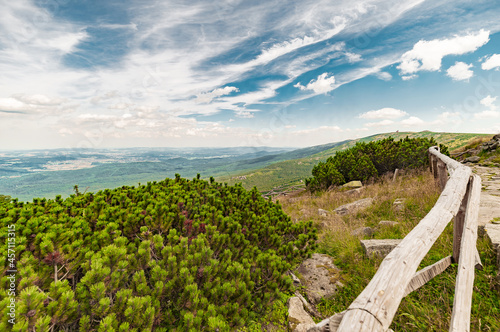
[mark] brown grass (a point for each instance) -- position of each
(412, 187)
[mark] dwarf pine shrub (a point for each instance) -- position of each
(370, 160)
(172, 255)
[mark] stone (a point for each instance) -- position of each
(354, 192)
(298, 319)
(378, 247)
(493, 233)
(322, 212)
(388, 223)
(364, 231)
(496, 137)
(296, 281)
(473, 159)
(351, 207)
(319, 276)
(398, 204)
(353, 184)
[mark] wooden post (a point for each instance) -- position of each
(462, 302)
(442, 174)
(434, 166)
(396, 172)
(458, 225)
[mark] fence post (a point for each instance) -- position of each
(434, 166)
(442, 174)
(458, 225)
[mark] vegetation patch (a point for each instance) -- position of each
(174, 255)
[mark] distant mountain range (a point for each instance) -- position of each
(47, 173)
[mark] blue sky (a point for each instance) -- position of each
(243, 73)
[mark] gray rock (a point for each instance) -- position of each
(364, 231)
(354, 192)
(398, 204)
(496, 137)
(296, 281)
(322, 212)
(378, 247)
(319, 276)
(473, 159)
(351, 207)
(388, 223)
(298, 319)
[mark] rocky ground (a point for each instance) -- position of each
(490, 194)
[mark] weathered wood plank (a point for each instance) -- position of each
(442, 174)
(460, 317)
(478, 265)
(458, 225)
(423, 276)
(381, 298)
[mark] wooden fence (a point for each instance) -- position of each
(375, 307)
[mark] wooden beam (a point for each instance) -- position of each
(458, 225)
(478, 265)
(460, 317)
(375, 307)
(442, 174)
(423, 276)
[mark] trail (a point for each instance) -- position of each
(490, 194)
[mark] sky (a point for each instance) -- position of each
(150, 73)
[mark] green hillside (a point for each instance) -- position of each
(294, 171)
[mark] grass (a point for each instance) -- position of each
(428, 308)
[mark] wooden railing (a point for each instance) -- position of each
(375, 307)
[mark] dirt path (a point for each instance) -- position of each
(490, 194)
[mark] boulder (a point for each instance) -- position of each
(473, 159)
(363, 231)
(354, 192)
(351, 207)
(319, 276)
(298, 319)
(353, 184)
(378, 247)
(398, 204)
(322, 212)
(388, 223)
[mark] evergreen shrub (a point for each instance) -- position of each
(175, 255)
(370, 160)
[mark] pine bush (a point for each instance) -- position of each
(185, 255)
(370, 160)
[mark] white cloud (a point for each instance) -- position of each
(408, 77)
(383, 75)
(427, 55)
(488, 114)
(460, 71)
(380, 123)
(492, 62)
(209, 96)
(488, 102)
(322, 84)
(383, 113)
(412, 121)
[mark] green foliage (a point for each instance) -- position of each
(174, 255)
(369, 160)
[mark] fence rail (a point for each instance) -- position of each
(397, 276)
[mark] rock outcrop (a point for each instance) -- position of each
(378, 247)
(319, 276)
(354, 206)
(298, 319)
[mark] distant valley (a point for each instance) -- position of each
(47, 173)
